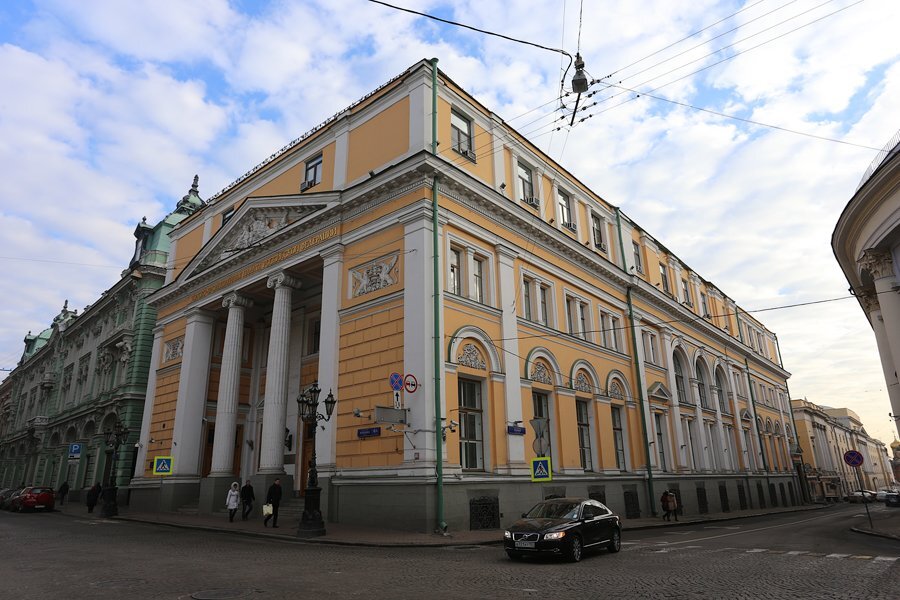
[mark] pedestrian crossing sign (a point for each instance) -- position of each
(162, 465)
(540, 469)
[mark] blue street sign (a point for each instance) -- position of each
(396, 381)
(368, 432)
(74, 450)
(162, 465)
(853, 458)
(515, 430)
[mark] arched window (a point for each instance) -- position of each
(679, 378)
(701, 386)
(720, 391)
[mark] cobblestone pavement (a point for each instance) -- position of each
(55, 556)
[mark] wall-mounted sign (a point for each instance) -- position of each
(515, 430)
(162, 465)
(74, 451)
(368, 432)
(540, 469)
(387, 414)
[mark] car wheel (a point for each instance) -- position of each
(514, 555)
(615, 544)
(575, 549)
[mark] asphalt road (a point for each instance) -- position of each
(798, 555)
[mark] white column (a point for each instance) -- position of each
(271, 459)
(704, 440)
(512, 390)
(229, 383)
(738, 422)
(648, 416)
(870, 303)
(149, 401)
(329, 345)
(762, 459)
(190, 405)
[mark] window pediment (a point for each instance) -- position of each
(658, 391)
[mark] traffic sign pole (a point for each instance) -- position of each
(864, 499)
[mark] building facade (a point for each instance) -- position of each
(825, 434)
(85, 373)
(866, 243)
(416, 233)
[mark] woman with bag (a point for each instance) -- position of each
(233, 500)
(672, 504)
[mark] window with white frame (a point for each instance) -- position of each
(680, 389)
(638, 261)
(582, 415)
(526, 298)
(565, 209)
(664, 277)
(618, 437)
(577, 311)
(660, 423)
(544, 303)
(478, 279)
(721, 392)
(471, 425)
(469, 273)
(609, 330)
(686, 291)
(651, 347)
(312, 173)
(541, 403)
(701, 386)
(461, 135)
(597, 231)
(526, 184)
(704, 306)
(455, 286)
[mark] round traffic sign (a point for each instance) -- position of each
(853, 458)
(411, 384)
(396, 381)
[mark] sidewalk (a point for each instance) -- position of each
(353, 535)
(885, 521)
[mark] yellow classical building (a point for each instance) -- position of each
(526, 316)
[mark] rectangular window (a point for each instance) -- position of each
(686, 290)
(478, 279)
(638, 263)
(664, 276)
(704, 306)
(597, 231)
(651, 355)
(526, 187)
(461, 134)
(526, 300)
(471, 430)
(609, 335)
(618, 437)
(660, 441)
(313, 336)
(582, 320)
(584, 434)
(545, 316)
(226, 216)
(542, 414)
(455, 272)
(313, 172)
(565, 208)
(570, 315)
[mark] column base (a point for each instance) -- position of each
(213, 490)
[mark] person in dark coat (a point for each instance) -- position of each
(248, 498)
(63, 492)
(273, 497)
(93, 496)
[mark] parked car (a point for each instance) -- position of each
(6, 497)
(34, 498)
(882, 494)
(861, 496)
(563, 527)
(892, 499)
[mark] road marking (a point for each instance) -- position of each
(721, 527)
(755, 550)
(797, 552)
(887, 558)
(836, 555)
(861, 557)
(712, 537)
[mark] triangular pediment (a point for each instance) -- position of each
(745, 415)
(658, 391)
(257, 222)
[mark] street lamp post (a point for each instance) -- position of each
(311, 524)
(114, 438)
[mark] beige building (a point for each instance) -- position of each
(825, 434)
(416, 233)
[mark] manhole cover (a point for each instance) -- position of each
(119, 583)
(220, 594)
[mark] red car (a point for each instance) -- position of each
(34, 498)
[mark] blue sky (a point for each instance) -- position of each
(109, 109)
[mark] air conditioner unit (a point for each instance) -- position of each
(531, 200)
(307, 184)
(570, 226)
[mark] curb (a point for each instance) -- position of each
(698, 521)
(874, 533)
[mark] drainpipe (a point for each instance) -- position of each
(438, 430)
(640, 387)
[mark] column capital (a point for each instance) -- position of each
(877, 262)
(869, 303)
(282, 279)
(236, 300)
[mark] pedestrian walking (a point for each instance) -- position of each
(248, 498)
(93, 496)
(672, 504)
(663, 504)
(63, 492)
(233, 500)
(273, 497)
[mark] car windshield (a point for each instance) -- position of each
(554, 510)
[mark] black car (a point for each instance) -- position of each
(563, 527)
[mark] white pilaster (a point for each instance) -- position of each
(229, 383)
(681, 462)
(738, 423)
(329, 344)
(341, 150)
(512, 391)
(648, 417)
(271, 460)
(871, 305)
(190, 405)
